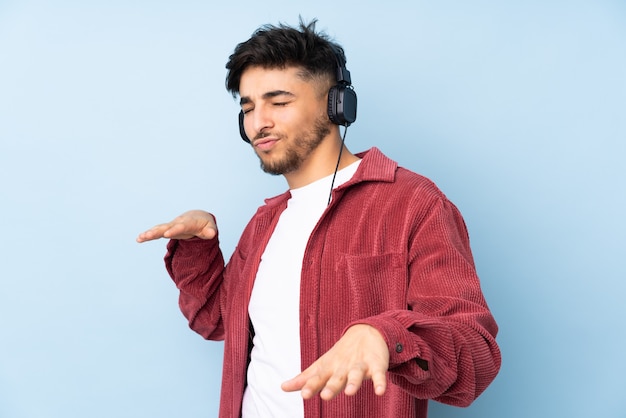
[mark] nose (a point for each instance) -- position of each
(260, 120)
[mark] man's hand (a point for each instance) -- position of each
(360, 354)
(195, 223)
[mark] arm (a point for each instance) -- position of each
(195, 263)
(196, 266)
(442, 347)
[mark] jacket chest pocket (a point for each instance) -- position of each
(368, 284)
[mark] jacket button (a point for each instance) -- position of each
(399, 348)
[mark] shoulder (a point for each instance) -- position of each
(416, 184)
(378, 170)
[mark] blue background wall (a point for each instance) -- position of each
(114, 117)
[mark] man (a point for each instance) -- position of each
(363, 302)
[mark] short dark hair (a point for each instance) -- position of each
(283, 46)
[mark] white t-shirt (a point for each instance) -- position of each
(275, 303)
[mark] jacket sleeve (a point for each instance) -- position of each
(443, 346)
(197, 268)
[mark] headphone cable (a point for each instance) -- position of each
(332, 184)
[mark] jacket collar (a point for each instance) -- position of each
(375, 166)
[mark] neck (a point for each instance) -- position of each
(321, 162)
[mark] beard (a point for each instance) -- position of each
(301, 148)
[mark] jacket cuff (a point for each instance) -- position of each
(400, 342)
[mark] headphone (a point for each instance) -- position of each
(341, 98)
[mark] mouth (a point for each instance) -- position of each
(265, 144)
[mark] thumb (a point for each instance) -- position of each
(208, 232)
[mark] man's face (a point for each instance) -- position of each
(285, 117)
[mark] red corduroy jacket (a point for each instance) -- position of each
(390, 251)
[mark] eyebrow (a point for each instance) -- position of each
(268, 95)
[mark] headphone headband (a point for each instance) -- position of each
(342, 73)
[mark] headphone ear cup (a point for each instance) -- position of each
(242, 131)
(342, 105)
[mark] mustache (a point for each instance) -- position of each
(261, 135)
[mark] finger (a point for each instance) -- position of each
(312, 386)
(208, 232)
(334, 385)
(379, 379)
(153, 233)
(294, 384)
(298, 382)
(354, 381)
(308, 382)
(189, 227)
(143, 237)
(176, 230)
(301, 380)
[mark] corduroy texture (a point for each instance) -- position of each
(390, 251)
